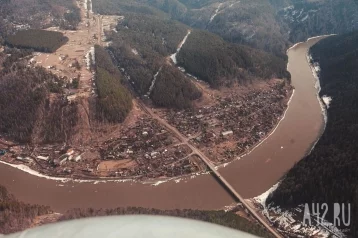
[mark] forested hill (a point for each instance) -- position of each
(330, 173)
(142, 46)
(311, 18)
(269, 25)
(218, 62)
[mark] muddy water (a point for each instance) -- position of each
(293, 138)
(251, 175)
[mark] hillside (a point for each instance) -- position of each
(141, 48)
(217, 62)
(270, 25)
(329, 173)
(312, 18)
(24, 94)
(235, 21)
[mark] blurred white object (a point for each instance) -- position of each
(131, 226)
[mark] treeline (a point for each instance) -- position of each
(329, 174)
(39, 40)
(16, 216)
(173, 89)
(121, 7)
(228, 219)
(114, 100)
(215, 61)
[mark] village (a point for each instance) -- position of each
(142, 151)
(225, 129)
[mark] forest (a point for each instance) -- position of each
(22, 93)
(235, 23)
(173, 89)
(141, 48)
(312, 18)
(38, 40)
(41, 14)
(25, 104)
(141, 45)
(16, 216)
(114, 100)
(215, 61)
(329, 174)
(144, 43)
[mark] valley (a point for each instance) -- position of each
(178, 193)
(90, 146)
(134, 106)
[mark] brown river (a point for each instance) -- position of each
(252, 175)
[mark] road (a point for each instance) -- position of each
(207, 161)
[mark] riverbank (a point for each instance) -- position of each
(291, 220)
(250, 176)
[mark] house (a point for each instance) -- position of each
(42, 157)
(227, 133)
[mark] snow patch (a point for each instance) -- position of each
(261, 199)
(327, 100)
(216, 13)
(134, 51)
(153, 83)
(90, 58)
(174, 56)
(290, 220)
(304, 19)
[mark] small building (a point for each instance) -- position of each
(227, 133)
(42, 157)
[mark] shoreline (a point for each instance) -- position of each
(153, 182)
(318, 88)
(158, 181)
(260, 200)
(323, 107)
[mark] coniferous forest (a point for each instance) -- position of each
(329, 174)
(114, 100)
(39, 40)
